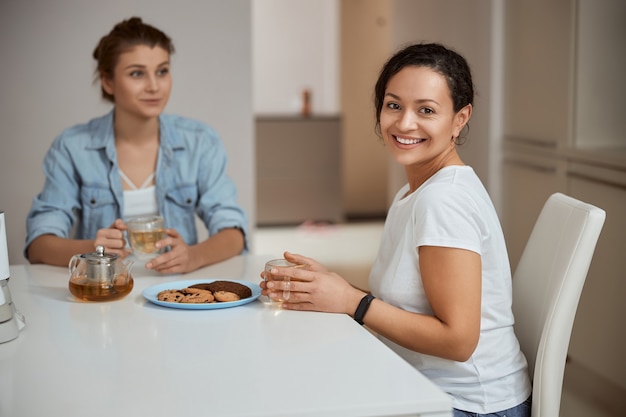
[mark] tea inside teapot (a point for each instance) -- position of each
(100, 276)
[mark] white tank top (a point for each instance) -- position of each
(139, 201)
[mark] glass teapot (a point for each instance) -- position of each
(100, 276)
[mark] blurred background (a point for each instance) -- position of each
(549, 83)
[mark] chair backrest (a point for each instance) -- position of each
(547, 285)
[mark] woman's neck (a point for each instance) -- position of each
(137, 130)
(419, 174)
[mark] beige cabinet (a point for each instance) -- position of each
(598, 339)
(553, 142)
(528, 182)
(298, 169)
(538, 71)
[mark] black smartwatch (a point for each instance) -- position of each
(364, 305)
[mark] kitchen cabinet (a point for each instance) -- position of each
(597, 338)
(561, 134)
(528, 182)
(298, 169)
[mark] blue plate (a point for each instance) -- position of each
(151, 293)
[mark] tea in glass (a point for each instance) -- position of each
(144, 233)
(284, 295)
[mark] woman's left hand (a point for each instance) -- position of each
(177, 260)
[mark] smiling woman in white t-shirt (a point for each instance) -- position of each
(441, 284)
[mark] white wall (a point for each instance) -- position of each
(47, 73)
(295, 45)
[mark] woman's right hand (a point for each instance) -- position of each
(313, 288)
(112, 239)
(310, 263)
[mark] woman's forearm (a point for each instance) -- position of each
(221, 246)
(55, 250)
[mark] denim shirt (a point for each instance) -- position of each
(83, 189)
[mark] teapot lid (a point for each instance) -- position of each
(99, 256)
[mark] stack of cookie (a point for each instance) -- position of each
(212, 292)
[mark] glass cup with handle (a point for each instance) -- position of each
(143, 234)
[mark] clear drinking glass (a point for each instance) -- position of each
(277, 302)
(143, 233)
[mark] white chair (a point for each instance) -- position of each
(546, 289)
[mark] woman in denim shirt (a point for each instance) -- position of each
(135, 161)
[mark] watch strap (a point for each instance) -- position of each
(364, 305)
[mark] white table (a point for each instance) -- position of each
(132, 358)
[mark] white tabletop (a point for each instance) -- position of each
(132, 358)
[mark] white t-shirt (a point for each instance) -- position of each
(453, 209)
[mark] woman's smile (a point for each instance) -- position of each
(405, 140)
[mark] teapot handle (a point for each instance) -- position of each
(129, 266)
(73, 264)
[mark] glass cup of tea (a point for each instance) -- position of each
(143, 234)
(285, 294)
